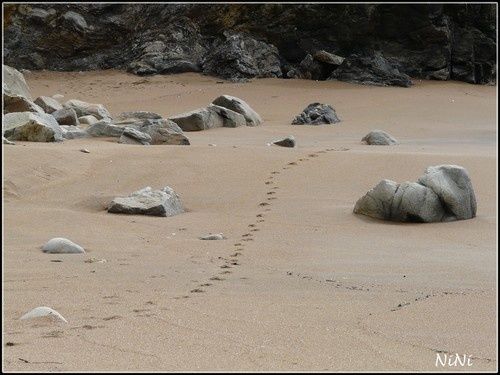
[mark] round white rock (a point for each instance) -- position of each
(62, 246)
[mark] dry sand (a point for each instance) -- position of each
(315, 286)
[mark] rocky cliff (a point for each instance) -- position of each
(367, 43)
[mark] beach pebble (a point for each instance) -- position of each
(218, 236)
(62, 246)
(84, 150)
(43, 311)
(379, 138)
(286, 142)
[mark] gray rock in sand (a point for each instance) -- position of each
(317, 114)
(104, 129)
(444, 193)
(14, 83)
(17, 103)
(73, 132)
(164, 132)
(134, 137)
(212, 237)
(48, 104)
(66, 116)
(62, 246)
(453, 186)
(379, 138)
(83, 109)
(87, 120)
(43, 312)
(29, 126)
(240, 106)
(164, 202)
(198, 119)
(286, 142)
(230, 119)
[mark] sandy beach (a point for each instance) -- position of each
(314, 287)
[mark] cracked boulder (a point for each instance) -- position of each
(317, 114)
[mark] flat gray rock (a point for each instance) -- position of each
(29, 126)
(83, 109)
(317, 114)
(213, 237)
(61, 245)
(198, 119)
(164, 202)
(230, 119)
(286, 142)
(66, 116)
(48, 104)
(134, 137)
(104, 129)
(453, 186)
(379, 138)
(239, 106)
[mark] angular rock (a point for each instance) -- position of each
(73, 132)
(198, 119)
(164, 132)
(43, 312)
(453, 186)
(370, 70)
(104, 129)
(239, 106)
(444, 193)
(135, 137)
(239, 57)
(17, 103)
(34, 127)
(286, 142)
(230, 119)
(83, 109)
(87, 120)
(48, 104)
(14, 83)
(62, 246)
(379, 138)
(328, 58)
(164, 202)
(317, 114)
(66, 116)
(136, 118)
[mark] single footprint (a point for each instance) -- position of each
(254, 230)
(206, 284)
(225, 272)
(251, 225)
(225, 266)
(275, 172)
(260, 221)
(292, 163)
(197, 290)
(271, 198)
(263, 204)
(268, 182)
(248, 239)
(246, 235)
(235, 255)
(259, 215)
(217, 278)
(271, 192)
(237, 244)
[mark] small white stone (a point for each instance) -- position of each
(43, 311)
(62, 246)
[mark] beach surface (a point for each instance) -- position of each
(313, 286)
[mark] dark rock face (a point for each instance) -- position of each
(241, 41)
(316, 114)
(370, 70)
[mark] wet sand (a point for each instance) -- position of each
(301, 283)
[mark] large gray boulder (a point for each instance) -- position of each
(444, 193)
(379, 138)
(66, 116)
(239, 106)
(34, 127)
(164, 202)
(104, 129)
(198, 119)
(48, 104)
(14, 83)
(316, 114)
(17, 103)
(164, 132)
(132, 136)
(453, 186)
(83, 109)
(230, 119)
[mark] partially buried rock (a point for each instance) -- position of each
(230, 119)
(164, 132)
(66, 116)
(62, 246)
(34, 127)
(83, 109)
(286, 142)
(48, 104)
(212, 237)
(444, 193)
(87, 120)
(134, 137)
(240, 106)
(104, 129)
(379, 138)
(73, 132)
(198, 119)
(317, 114)
(44, 312)
(164, 202)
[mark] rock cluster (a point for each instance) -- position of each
(443, 193)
